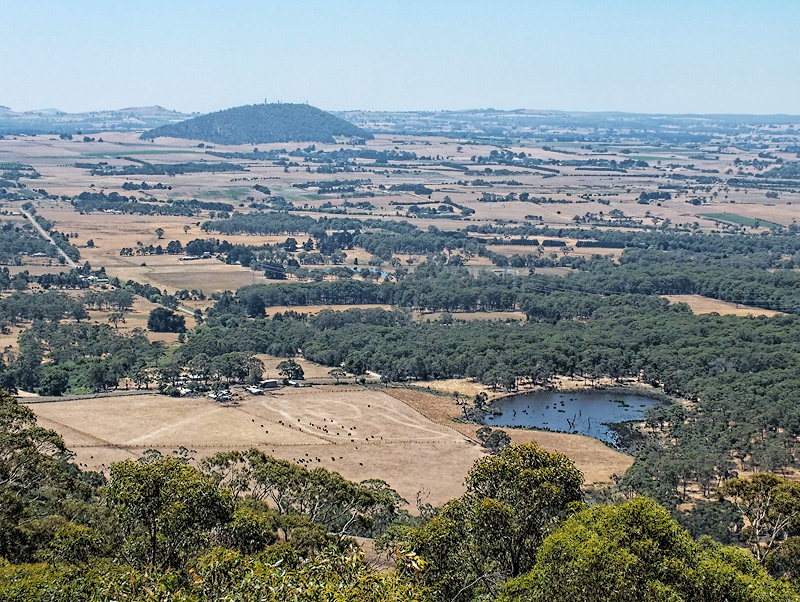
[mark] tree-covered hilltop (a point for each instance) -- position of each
(258, 124)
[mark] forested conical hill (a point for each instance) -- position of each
(257, 124)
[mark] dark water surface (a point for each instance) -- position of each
(585, 412)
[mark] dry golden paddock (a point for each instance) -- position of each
(404, 437)
(705, 305)
(358, 432)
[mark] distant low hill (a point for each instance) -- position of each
(53, 121)
(258, 124)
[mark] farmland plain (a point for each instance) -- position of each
(449, 184)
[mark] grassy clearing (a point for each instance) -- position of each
(229, 194)
(471, 316)
(705, 305)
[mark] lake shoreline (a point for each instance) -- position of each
(572, 386)
(595, 411)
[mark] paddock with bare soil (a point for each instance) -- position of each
(361, 433)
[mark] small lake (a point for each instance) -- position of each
(584, 412)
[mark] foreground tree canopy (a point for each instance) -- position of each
(635, 551)
(492, 532)
(247, 526)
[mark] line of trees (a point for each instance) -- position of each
(87, 202)
(443, 284)
(143, 168)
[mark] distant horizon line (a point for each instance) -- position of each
(463, 110)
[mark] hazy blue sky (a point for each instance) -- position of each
(638, 55)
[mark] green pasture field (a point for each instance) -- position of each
(741, 220)
(231, 194)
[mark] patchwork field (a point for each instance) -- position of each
(406, 437)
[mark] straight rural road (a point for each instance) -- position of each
(48, 238)
(44, 234)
